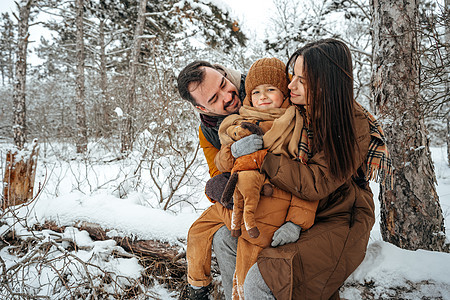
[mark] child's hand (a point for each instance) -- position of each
(247, 145)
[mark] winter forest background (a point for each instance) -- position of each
(119, 174)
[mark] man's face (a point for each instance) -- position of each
(216, 94)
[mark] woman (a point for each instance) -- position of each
(336, 174)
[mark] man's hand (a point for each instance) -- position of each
(287, 233)
(247, 145)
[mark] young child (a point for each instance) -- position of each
(267, 106)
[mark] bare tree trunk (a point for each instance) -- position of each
(10, 65)
(104, 111)
(20, 127)
(447, 88)
(81, 139)
(411, 216)
(19, 175)
(127, 134)
(448, 135)
(3, 75)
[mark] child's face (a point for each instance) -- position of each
(267, 96)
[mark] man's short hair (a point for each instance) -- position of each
(192, 73)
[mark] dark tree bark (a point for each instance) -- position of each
(81, 138)
(127, 134)
(411, 216)
(19, 126)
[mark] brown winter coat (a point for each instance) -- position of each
(282, 130)
(210, 153)
(317, 264)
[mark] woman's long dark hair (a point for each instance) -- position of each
(328, 76)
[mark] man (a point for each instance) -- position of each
(215, 92)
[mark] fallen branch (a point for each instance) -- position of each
(150, 248)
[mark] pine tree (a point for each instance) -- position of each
(411, 216)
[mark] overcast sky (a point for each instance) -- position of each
(253, 13)
(7, 5)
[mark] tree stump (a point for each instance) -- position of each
(20, 171)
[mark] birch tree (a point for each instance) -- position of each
(127, 135)
(81, 139)
(411, 216)
(19, 127)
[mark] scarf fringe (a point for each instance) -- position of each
(381, 175)
(379, 163)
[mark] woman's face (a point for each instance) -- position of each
(298, 85)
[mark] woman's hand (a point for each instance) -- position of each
(247, 145)
(287, 233)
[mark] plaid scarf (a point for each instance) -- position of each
(378, 161)
(304, 153)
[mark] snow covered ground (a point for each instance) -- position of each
(389, 272)
(68, 197)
